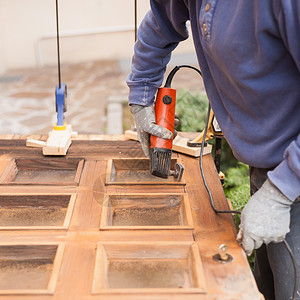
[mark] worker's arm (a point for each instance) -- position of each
(163, 27)
(266, 217)
(287, 175)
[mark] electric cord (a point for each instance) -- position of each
(175, 69)
(236, 211)
(212, 203)
(57, 43)
(168, 84)
(135, 20)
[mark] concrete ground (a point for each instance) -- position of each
(27, 97)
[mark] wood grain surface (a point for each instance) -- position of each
(91, 255)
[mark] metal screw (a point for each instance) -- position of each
(222, 256)
(223, 252)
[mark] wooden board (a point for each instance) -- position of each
(53, 171)
(91, 256)
(155, 211)
(128, 171)
(179, 144)
(36, 211)
(116, 264)
(30, 268)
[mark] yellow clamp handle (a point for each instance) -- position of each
(63, 127)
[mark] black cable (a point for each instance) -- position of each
(218, 149)
(135, 20)
(202, 172)
(57, 41)
(168, 84)
(294, 267)
(175, 69)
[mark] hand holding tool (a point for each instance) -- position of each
(161, 149)
(145, 125)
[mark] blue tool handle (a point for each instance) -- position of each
(60, 96)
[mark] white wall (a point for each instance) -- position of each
(2, 66)
(28, 30)
(2, 42)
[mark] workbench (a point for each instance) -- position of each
(94, 225)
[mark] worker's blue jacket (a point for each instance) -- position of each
(249, 54)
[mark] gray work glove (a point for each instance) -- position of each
(265, 218)
(144, 117)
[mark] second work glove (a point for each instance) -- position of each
(265, 218)
(144, 117)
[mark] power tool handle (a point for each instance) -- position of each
(165, 116)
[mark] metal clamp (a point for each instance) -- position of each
(177, 172)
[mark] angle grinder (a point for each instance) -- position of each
(161, 149)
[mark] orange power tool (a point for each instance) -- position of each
(161, 149)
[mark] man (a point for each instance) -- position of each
(249, 55)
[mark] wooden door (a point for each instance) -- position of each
(94, 225)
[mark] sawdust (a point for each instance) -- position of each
(32, 216)
(150, 273)
(136, 216)
(45, 176)
(25, 274)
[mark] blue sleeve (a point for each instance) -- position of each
(287, 175)
(163, 27)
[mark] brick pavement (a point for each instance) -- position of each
(27, 96)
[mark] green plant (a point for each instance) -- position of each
(237, 176)
(192, 110)
(236, 187)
